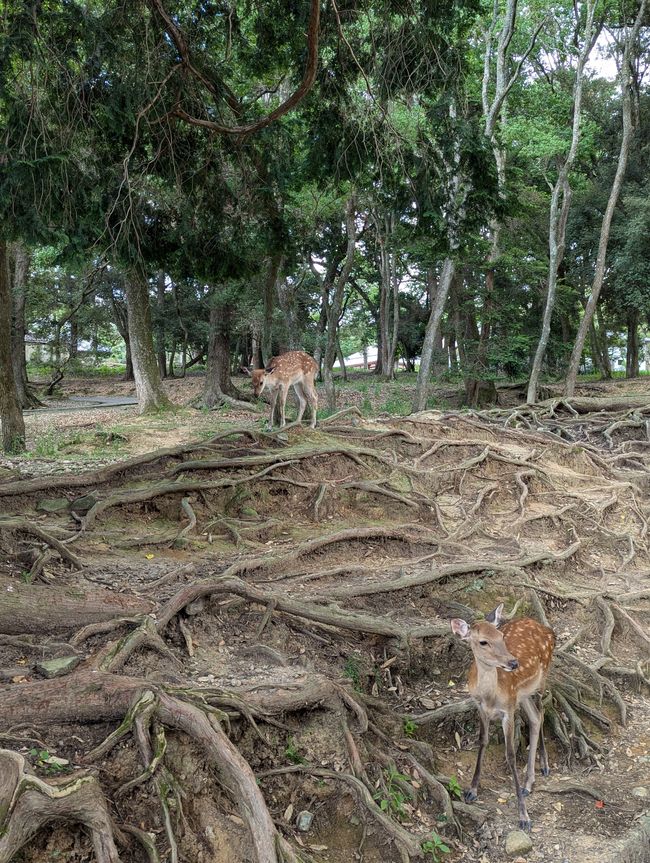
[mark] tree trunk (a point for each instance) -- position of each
(26, 397)
(559, 211)
(625, 78)
(601, 335)
(11, 414)
(334, 310)
(270, 286)
(129, 374)
(148, 385)
(217, 382)
(632, 354)
(341, 360)
(161, 355)
(431, 332)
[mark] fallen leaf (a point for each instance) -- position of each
(149, 556)
(599, 804)
(457, 739)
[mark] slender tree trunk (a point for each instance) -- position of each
(341, 360)
(26, 397)
(560, 206)
(603, 343)
(270, 284)
(11, 415)
(217, 382)
(148, 385)
(334, 310)
(431, 332)
(632, 353)
(129, 374)
(625, 78)
(161, 355)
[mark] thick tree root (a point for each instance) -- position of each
(27, 803)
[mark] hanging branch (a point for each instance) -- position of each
(178, 38)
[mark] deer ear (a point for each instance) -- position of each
(244, 370)
(459, 627)
(494, 617)
(269, 369)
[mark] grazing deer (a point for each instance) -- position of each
(295, 368)
(510, 665)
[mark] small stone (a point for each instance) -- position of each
(518, 843)
(83, 504)
(304, 820)
(195, 607)
(641, 791)
(57, 667)
(53, 505)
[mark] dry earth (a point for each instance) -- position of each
(293, 591)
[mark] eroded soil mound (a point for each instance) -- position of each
(261, 666)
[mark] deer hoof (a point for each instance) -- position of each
(525, 824)
(546, 771)
(470, 796)
(525, 792)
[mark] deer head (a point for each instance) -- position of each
(486, 641)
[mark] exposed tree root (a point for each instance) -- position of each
(27, 803)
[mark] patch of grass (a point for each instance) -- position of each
(397, 404)
(291, 753)
(352, 670)
(410, 727)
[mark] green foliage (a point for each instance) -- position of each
(392, 797)
(434, 846)
(352, 670)
(292, 754)
(410, 728)
(453, 786)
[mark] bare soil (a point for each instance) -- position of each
(294, 593)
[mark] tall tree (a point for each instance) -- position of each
(626, 81)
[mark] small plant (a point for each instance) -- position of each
(392, 797)
(352, 670)
(48, 762)
(434, 846)
(410, 727)
(291, 753)
(453, 786)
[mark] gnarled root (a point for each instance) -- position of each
(27, 803)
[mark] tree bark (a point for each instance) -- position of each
(625, 81)
(218, 382)
(334, 309)
(270, 284)
(148, 385)
(11, 414)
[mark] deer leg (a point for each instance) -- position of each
(534, 727)
(310, 393)
(274, 400)
(283, 404)
(472, 792)
(302, 400)
(508, 733)
(543, 757)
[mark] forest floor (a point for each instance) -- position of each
(257, 627)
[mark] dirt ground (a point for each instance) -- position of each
(298, 588)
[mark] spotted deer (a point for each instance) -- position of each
(509, 668)
(296, 369)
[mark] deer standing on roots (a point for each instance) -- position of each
(296, 369)
(510, 666)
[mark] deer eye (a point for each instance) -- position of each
(483, 643)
